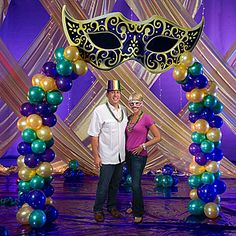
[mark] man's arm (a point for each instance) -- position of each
(97, 159)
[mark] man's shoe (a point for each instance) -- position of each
(115, 213)
(99, 216)
(138, 220)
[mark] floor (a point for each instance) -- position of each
(165, 211)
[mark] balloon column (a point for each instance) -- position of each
(166, 179)
(204, 108)
(38, 118)
(73, 173)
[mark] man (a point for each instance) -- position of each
(107, 131)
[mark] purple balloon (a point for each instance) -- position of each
(200, 81)
(27, 109)
(216, 154)
(51, 213)
(36, 199)
(207, 192)
(48, 155)
(220, 186)
(193, 117)
(43, 109)
(32, 160)
(216, 122)
(48, 190)
(207, 114)
(201, 159)
(194, 148)
(24, 148)
(167, 170)
(188, 86)
(49, 120)
(49, 69)
(64, 83)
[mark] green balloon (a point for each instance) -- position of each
(194, 181)
(208, 178)
(196, 207)
(59, 54)
(158, 180)
(36, 95)
(37, 219)
(195, 107)
(210, 101)
(54, 97)
(207, 146)
(53, 108)
(29, 135)
(64, 67)
(217, 175)
(24, 186)
(48, 179)
(37, 182)
(49, 143)
(128, 180)
(198, 137)
(74, 164)
(218, 108)
(167, 181)
(195, 69)
(38, 146)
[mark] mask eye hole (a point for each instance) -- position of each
(105, 40)
(161, 44)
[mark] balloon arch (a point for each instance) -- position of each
(35, 169)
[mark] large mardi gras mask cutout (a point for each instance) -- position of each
(109, 40)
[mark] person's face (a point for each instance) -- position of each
(114, 97)
(135, 105)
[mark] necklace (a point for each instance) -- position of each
(130, 125)
(122, 113)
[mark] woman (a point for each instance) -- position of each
(137, 143)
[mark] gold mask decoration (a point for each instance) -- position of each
(109, 40)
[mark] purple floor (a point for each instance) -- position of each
(166, 213)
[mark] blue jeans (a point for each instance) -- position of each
(136, 166)
(108, 185)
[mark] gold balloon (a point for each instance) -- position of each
(49, 201)
(193, 194)
(71, 53)
(187, 58)
(180, 72)
(45, 169)
(80, 67)
(196, 169)
(48, 84)
(201, 126)
(20, 161)
(188, 96)
(211, 210)
(25, 173)
(212, 89)
(196, 95)
(44, 133)
(214, 134)
(193, 127)
(212, 166)
(204, 90)
(23, 214)
(22, 123)
(34, 121)
(36, 79)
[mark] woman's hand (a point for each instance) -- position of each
(137, 150)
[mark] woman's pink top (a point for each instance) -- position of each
(139, 134)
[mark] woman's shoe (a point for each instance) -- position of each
(138, 220)
(129, 210)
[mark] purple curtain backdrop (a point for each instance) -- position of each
(26, 19)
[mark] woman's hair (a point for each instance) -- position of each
(136, 96)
